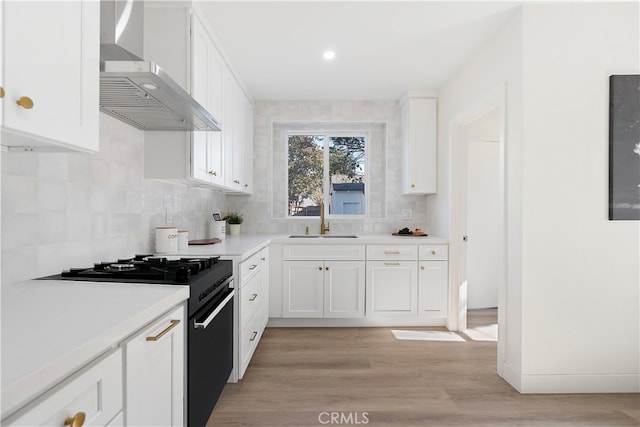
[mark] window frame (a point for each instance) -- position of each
(327, 134)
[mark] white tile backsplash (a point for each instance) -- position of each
(265, 210)
(70, 210)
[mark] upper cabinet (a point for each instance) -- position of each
(418, 113)
(50, 55)
(179, 41)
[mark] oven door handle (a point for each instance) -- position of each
(209, 319)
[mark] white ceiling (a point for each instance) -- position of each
(383, 48)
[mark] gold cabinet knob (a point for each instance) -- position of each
(76, 421)
(422, 267)
(1, 92)
(433, 252)
(326, 268)
(320, 268)
(25, 102)
(413, 186)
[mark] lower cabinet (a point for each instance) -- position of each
(252, 305)
(154, 373)
(324, 289)
(392, 288)
(93, 394)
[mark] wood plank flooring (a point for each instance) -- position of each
(364, 376)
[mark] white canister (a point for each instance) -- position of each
(166, 239)
(183, 240)
(217, 229)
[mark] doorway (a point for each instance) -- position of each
(477, 214)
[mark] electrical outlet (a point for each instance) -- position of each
(168, 217)
(405, 214)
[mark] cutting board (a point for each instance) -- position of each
(410, 235)
(205, 241)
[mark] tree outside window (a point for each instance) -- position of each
(322, 164)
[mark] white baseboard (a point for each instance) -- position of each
(571, 383)
(355, 322)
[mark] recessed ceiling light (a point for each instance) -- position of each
(329, 55)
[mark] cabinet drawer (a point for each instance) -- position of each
(250, 267)
(250, 300)
(249, 339)
(96, 391)
(434, 252)
(387, 252)
(323, 252)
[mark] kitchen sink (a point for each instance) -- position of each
(325, 236)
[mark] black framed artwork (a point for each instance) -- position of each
(624, 147)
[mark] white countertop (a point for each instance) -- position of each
(241, 246)
(244, 245)
(52, 328)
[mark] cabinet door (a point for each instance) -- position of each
(344, 288)
(56, 66)
(247, 147)
(303, 289)
(392, 288)
(207, 150)
(154, 377)
(95, 390)
(432, 288)
(419, 139)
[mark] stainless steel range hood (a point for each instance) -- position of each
(139, 92)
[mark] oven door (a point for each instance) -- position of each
(210, 356)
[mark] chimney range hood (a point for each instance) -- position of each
(139, 92)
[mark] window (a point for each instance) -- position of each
(327, 167)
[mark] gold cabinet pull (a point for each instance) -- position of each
(76, 421)
(236, 181)
(392, 252)
(253, 297)
(173, 324)
(253, 336)
(1, 92)
(253, 266)
(391, 263)
(25, 102)
(214, 173)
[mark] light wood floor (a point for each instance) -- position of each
(299, 376)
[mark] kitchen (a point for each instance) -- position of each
(63, 210)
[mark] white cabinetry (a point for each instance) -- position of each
(392, 280)
(179, 41)
(253, 303)
(317, 284)
(207, 156)
(50, 75)
(418, 115)
(95, 393)
(433, 281)
(154, 378)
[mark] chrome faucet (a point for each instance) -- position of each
(323, 227)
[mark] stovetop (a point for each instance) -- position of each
(144, 268)
(206, 276)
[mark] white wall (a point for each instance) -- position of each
(581, 281)
(572, 276)
(70, 210)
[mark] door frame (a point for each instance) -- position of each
(457, 319)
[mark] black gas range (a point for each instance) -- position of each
(210, 316)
